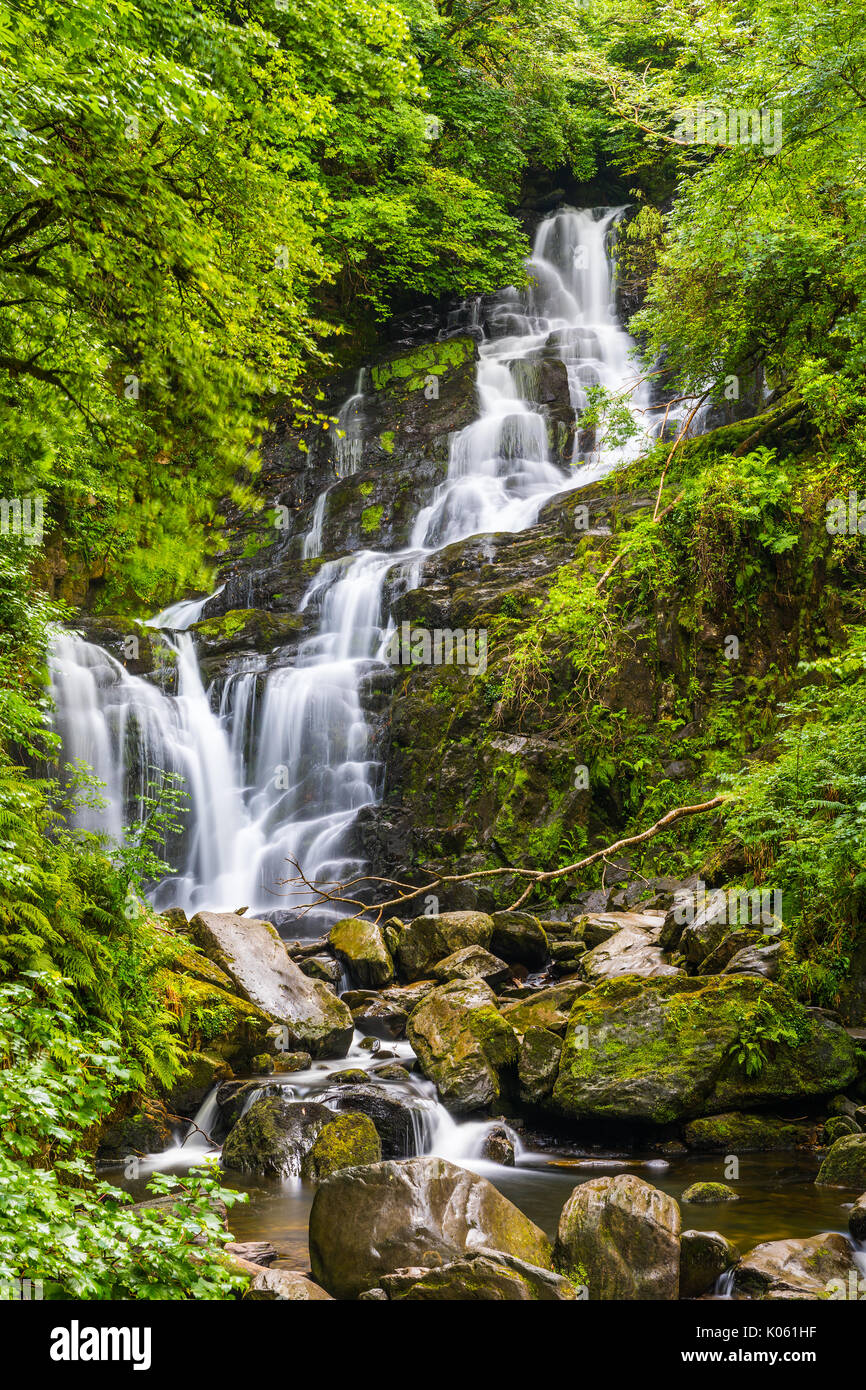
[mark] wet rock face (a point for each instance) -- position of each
(370, 1222)
(620, 1236)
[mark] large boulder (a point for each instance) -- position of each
(739, 1132)
(360, 947)
(795, 1268)
(621, 1238)
(399, 1119)
(427, 940)
(369, 1222)
(845, 1164)
(472, 963)
(707, 930)
(704, 1256)
(545, 1008)
(519, 938)
(251, 952)
(482, 1275)
(275, 1136)
(349, 1141)
(658, 1051)
(463, 1044)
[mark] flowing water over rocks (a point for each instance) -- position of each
(279, 761)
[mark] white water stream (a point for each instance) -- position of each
(296, 795)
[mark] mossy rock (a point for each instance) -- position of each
(222, 1024)
(546, 1008)
(427, 940)
(249, 629)
(845, 1164)
(538, 1064)
(661, 1050)
(348, 1141)
(463, 1044)
(839, 1125)
(472, 963)
(741, 1132)
(275, 1136)
(360, 946)
(202, 1072)
(707, 1193)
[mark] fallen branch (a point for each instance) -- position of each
(535, 876)
(775, 420)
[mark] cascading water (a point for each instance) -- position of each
(279, 777)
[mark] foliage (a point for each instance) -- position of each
(61, 1227)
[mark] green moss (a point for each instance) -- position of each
(386, 439)
(349, 1141)
(371, 518)
(409, 372)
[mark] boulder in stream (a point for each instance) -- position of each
(360, 947)
(463, 1044)
(857, 1219)
(481, 1275)
(621, 1238)
(810, 1268)
(370, 1222)
(399, 1117)
(704, 1257)
(275, 1135)
(845, 1164)
(348, 1141)
(251, 952)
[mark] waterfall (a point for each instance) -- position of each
(279, 778)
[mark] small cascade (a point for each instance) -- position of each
(277, 768)
(349, 444)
